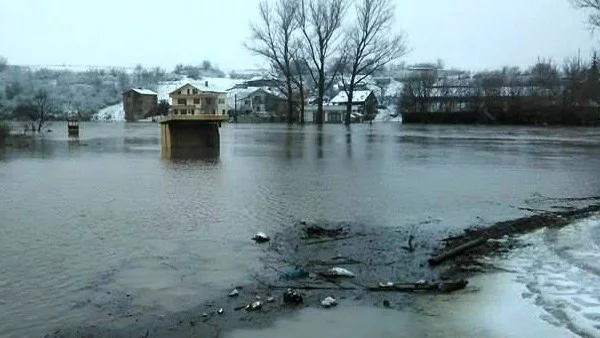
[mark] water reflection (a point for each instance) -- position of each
(203, 154)
(348, 142)
(320, 142)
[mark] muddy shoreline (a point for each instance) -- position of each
(375, 255)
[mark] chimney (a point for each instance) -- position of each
(205, 83)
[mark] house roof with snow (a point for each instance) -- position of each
(358, 96)
(142, 91)
(203, 88)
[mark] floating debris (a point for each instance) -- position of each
(338, 272)
(204, 315)
(234, 293)
(271, 300)
(328, 302)
(261, 237)
(220, 311)
(291, 296)
(386, 303)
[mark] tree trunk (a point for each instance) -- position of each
(301, 102)
(41, 122)
(290, 101)
(349, 108)
(320, 95)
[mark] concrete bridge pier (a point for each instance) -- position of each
(190, 136)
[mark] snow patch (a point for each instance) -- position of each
(560, 272)
(111, 113)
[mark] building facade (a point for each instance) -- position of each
(139, 103)
(197, 100)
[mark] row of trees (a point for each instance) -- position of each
(554, 94)
(308, 46)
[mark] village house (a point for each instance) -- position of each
(259, 101)
(335, 111)
(139, 103)
(197, 100)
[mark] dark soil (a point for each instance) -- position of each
(296, 257)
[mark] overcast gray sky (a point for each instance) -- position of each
(470, 34)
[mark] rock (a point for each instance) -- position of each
(234, 293)
(292, 297)
(261, 237)
(220, 311)
(338, 272)
(328, 302)
(271, 300)
(386, 303)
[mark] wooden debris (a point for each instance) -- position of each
(420, 287)
(438, 259)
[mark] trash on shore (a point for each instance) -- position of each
(234, 293)
(315, 231)
(386, 285)
(338, 272)
(261, 237)
(254, 306)
(291, 296)
(328, 302)
(294, 274)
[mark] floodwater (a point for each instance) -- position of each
(105, 224)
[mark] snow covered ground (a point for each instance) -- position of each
(111, 113)
(559, 272)
(387, 115)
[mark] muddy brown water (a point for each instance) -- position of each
(102, 230)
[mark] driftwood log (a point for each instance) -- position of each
(438, 259)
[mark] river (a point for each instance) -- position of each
(106, 222)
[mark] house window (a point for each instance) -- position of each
(223, 112)
(180, 101)
(221, 101)
(175, 112)
(188, 91)
(208, 100)
(214, 111)
(196, 101)
(179, 92)
(195, 91)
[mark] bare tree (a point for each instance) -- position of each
(299, 76)
(44, 107)
(320, 22)
(368, 45)
(594, 7)
(273, 39)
